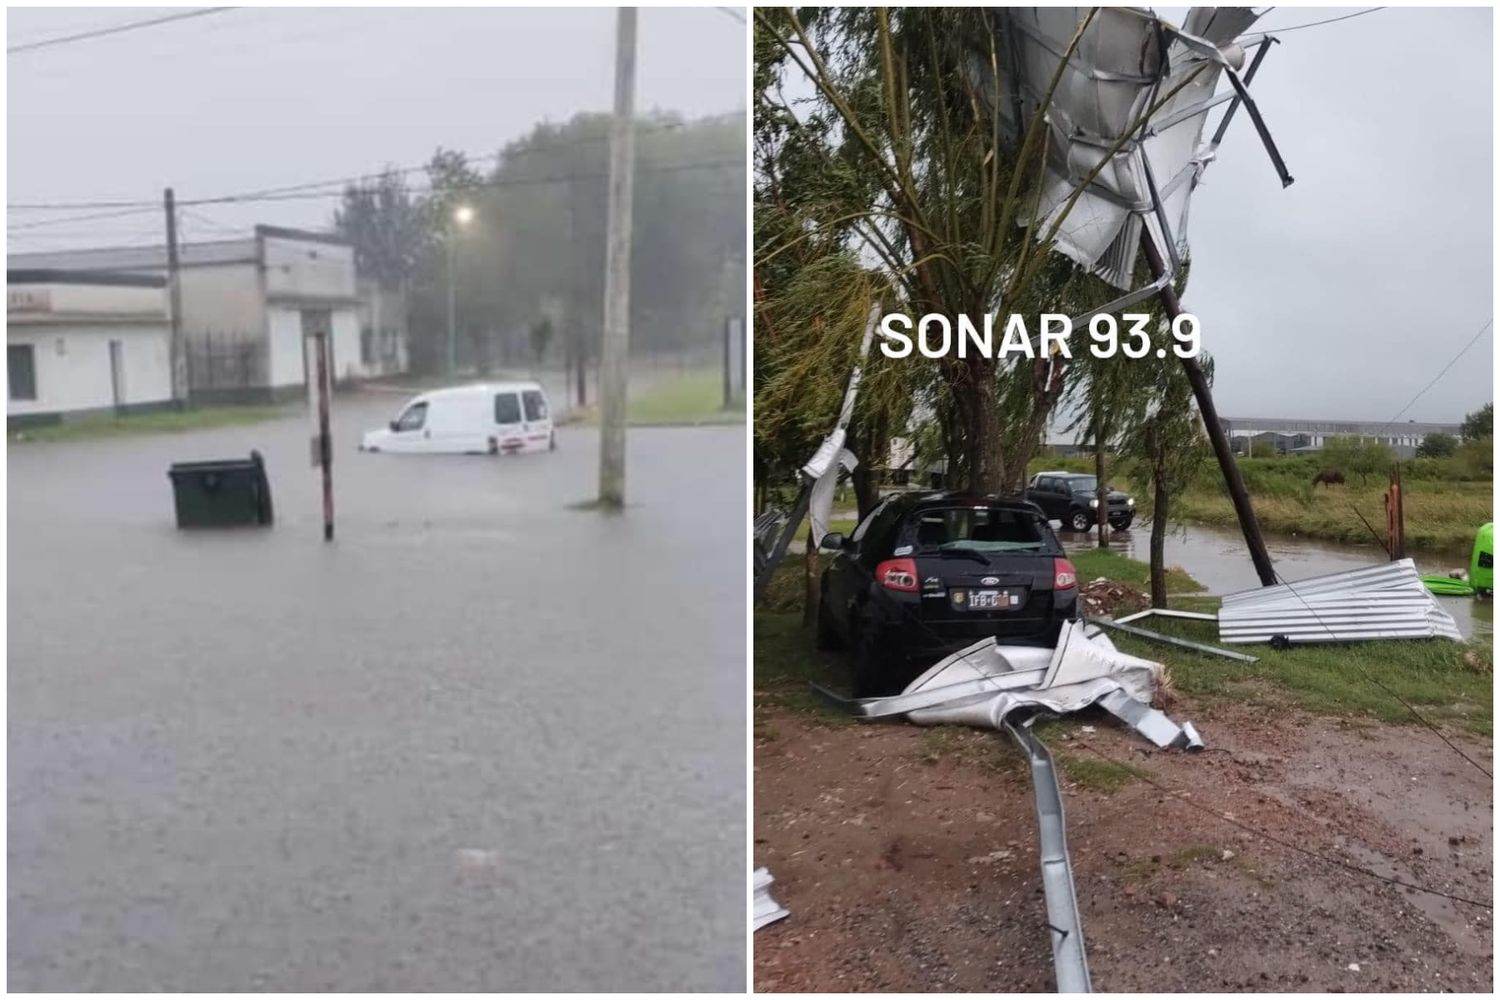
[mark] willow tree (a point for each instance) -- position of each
(1164, 440)
(899, 156)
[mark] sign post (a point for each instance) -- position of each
(316, 336)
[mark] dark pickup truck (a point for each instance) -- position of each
(1072, 498)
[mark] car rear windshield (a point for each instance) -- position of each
(980, 529)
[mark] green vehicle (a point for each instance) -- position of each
(1482, 561)
(1481, 581)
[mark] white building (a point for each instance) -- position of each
(1298, 434)
(243, 305)
(81, 342)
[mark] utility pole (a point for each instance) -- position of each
(452, 338)
(325, 437)
(615, 349)
(1249, 526)
(174, 304)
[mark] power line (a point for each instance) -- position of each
(337, 183)
(733, 12)
(116, 29)
(118, 214)
(1314, 24)
(1435, 379)
(495, 184)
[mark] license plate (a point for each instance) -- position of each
(983, 600)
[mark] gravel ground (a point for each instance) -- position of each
(907, 857)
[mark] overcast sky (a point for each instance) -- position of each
(1344, 294)
(257, 98)
(1338, 297)
(1341, 296)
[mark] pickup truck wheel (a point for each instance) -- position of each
(1122, 523)
(1080, 520)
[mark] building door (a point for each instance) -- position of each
(117, 371)
(20, 361)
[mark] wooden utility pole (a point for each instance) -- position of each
(615, 350)
(176, 348)
(1238, 495)
(1395, 517)
(325, 437)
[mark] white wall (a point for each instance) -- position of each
(72, 365)
(284, 330)
(285, 326)
(346, 362)
(223, 300)
(308, 269)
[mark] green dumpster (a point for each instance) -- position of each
(224, 493)
(1482, 562)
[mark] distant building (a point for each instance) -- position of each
(1293, 434)
(79, 342)
(242, 309)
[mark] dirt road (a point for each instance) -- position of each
(907, 857)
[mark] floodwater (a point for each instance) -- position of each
(483, 741)
(1218, 559)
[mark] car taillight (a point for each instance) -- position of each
(1064, 576)
(898, 574)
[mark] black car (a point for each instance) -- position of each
(926, 574)
(1072, 498)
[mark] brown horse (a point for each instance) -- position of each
(1328, 477)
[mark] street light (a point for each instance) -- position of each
(462, 216)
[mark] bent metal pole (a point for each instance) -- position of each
(1227, 465)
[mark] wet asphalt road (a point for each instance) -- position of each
(481, 742)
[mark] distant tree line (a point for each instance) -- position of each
(528, 273)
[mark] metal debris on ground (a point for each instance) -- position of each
(1172, 640)
(1004, 687)
(767, 910)
(1197, 616)
(1377, 602)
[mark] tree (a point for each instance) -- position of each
(1166, 440)
(541, 336)
(535, 243)
(1437, 445)
(900, 155)
(388, 227)
(1479, 424)
(1357, 455)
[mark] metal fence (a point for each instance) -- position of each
(225, 362)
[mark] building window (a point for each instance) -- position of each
(20, 359)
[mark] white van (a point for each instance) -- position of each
(495, 418)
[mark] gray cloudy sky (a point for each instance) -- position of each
(257, 98)
(1338, 297)
(1344, 294)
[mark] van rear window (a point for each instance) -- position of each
(507, 408)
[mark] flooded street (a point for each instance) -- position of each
(483, 741)
(1217, 558)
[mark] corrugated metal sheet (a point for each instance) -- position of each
(1378, 602)
(767, 911)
